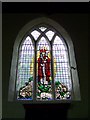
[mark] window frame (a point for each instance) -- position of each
(26, 30)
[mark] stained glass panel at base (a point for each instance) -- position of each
(44, 81)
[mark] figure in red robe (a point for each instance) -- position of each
(43, 66)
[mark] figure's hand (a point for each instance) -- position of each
(41, 64)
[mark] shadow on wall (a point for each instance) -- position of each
(46, 111)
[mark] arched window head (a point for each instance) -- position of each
(43, 65)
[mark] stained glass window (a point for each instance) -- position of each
(50, 73)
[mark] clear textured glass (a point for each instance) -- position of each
(42, 29)
(50, 34)
(35, 34)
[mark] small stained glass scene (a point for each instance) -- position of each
(25, 70)
(43, 71)
(44, 80)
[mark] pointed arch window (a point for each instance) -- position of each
(43, 66)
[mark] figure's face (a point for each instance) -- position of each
(43, 54)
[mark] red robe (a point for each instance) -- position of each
(47, 69)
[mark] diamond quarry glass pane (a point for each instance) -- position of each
(35, 34)
(25, 70)
(44, 79)
(50, 34)
(42, 29)
(61, 66)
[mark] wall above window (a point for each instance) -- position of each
(43, 67)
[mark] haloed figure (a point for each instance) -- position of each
(43, 67)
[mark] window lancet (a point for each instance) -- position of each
(61, 68)
(25, 70)
(44, 86)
